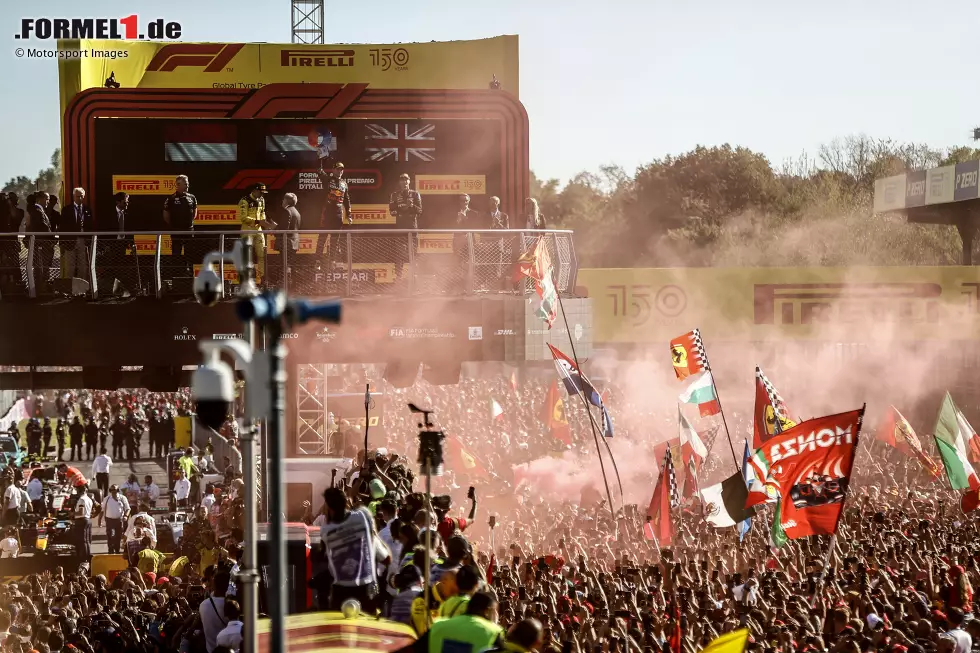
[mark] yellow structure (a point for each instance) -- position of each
(653, 305)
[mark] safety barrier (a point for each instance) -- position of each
(352, 262)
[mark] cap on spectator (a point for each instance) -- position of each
(260, 187)
(151, 577)
(377, 489)
(875, 622)
(163, 580)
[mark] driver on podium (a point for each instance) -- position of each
(251, 214)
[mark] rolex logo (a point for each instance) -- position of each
(183, 335)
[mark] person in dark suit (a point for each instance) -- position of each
(76, 218)
(9, 245)
(39, 224)
(117, 258)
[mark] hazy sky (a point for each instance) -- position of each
(615, 81)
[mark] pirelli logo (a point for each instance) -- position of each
(231, 274)
(435, 244)
(226, 214)
(317, 58)
(383, 272)
(451, 184)
(144, 184)
(371, 214)
(843, 303)
(212, 57)
(146, 245)
(307, 243)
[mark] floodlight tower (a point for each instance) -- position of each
(307, 21)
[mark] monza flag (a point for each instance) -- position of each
(688, 355)
(806, 470)
(771, 414)
(896, 432)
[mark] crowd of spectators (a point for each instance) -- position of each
(515, 567)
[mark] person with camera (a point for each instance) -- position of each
(352, 550)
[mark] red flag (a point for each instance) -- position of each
(677, 637)
(688, 355)
(490, 568)
(771, 414)
(554, 415)
(896, 432)
(808, 467)
(459, 459)
(659, 524)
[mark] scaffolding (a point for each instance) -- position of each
(312, 417)
(307, 21)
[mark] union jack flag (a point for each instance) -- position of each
(401, 142)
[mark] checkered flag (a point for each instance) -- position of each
(668, 470)
(781, 420)
(699, 351)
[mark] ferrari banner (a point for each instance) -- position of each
(806, 470)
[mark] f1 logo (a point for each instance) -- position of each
(213, 57)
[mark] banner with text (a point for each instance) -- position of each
(648, 305)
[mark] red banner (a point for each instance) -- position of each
(809, 467)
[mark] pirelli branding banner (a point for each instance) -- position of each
(648, 305)
(451, 184)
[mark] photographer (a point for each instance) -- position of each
(352, 550)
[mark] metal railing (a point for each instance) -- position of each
(351, 262)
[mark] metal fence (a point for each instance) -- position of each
(329, 263)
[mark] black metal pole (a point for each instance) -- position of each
(276, 492)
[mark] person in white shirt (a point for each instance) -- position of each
(353, 551)
(209, 498)
(182, 490)
(83, 523)
(115, 509)
(231, 635)
(100, 470)
(151, 491)
(142, 524)
(212, 610)
(12, 500)
(9, 546)
(35, 492)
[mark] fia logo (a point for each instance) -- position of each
(396, 332)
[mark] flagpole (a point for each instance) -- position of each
(595, 435)
(724, 421)
(605, 441)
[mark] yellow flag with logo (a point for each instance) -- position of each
(733, 642)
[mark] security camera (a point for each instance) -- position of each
(213, 387)
(208, 286)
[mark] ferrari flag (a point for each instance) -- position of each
(896, 432)
(771, 414)
(688, 355)
(806, 469)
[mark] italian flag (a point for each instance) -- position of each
(701, 391)
(496, 412)
(953, 433)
